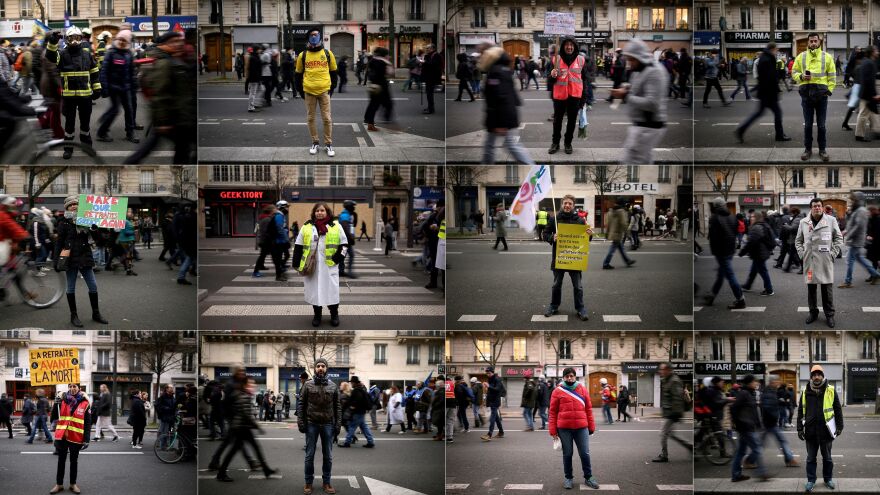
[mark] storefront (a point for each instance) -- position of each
(409, 39)
(255, 373)
(126, 383)
(142, 27)
(245, 36)
(872, 196)
(645, 194)
(724, 370)
(20, 384)
(836, 45)
(19, 31)
(641, 378)
(500, 196)
(705, 42)
(514, 378)
(302, 199)
(666, 40)
(755, 202)
(833, 373)
(425, 198)
(234, 212)
(861, 382)
(465, 203)
(746, 44)
(296, 36)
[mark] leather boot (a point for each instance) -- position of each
(334, 315)
(96, 314)
(74, 319)
(316, 321)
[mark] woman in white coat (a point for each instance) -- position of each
(396, 413)
(323, 238)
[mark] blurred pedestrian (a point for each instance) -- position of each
(672, 405)
(645, 98)
(759, 247)
(722, 242)
(502, 100)
(745, 417)
(380, 69)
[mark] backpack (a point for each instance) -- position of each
(302, 55)
(19, 62)
(146, 67)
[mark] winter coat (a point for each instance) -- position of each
(646, 99)
(172, 82)
(571, 410)
(760, 244)
(768, 79)
(77, 240)
(671, 400)
(5, 404)
(493, 396)
(874, 232)
(27, 411)
(722, 233)
(360, 400)
(438, 407)
(617, 224)
(817, 248)
(103, 404)
(138, 414)
(117, 71)
(501, 96)
(432, 68)
(868, 83)
(478, 393)
(813, 423)
(500, 228)
(529, 395)
(550, 230)
(462, 394)
(543, 399)
(319, 404)
(165, 407)
(745, 411)
(857, 227)
(771, 402)
(242, 416)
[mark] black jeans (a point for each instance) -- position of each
(383, 99)
(261, 259)
(562, 109)
(276, 259)
(777, 117)
(137, 435)
(429, 94)
(268, 84)
(464, 85)
(117, 99)
(813, 448)
(713, 83)
(242, 436)
(827, 299)
(69, 108)
(183, 138)
(502, 240)
(63, 447)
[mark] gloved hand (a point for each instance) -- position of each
(96, 95)
(301, 427)
(801, 435)
(838, 432)
(338, 258)
(84, 446)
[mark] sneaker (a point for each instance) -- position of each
(660, 458)
(330, 150)
(314, 149)
(845, 285)
(741, 477)
(809, 486)
(592, 483)
(766, 292)
(257, 274)
(830, 484)
(567, 484)
(485, 438)
(740, 304)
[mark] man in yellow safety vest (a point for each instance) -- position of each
(816, 76)
(541, 222)
(819, 422)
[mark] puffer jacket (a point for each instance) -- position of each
(567, 411)
(319, 404)
(242, 410)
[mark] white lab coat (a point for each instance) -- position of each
(321, 288)
(396, 414)
(440, 262)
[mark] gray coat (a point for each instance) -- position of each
(500, 229)
(857, 228)
(818, 247)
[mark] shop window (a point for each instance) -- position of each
(704, 22)
(658, 19)
(172, 7)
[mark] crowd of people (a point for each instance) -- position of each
(70, 71)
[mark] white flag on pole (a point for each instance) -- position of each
(535, 188)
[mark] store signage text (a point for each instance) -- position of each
(241, 194)
(705, 368)
(614, 187)
(757, 36)
(402, 29)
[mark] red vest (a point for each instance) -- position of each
(569, 83)
(71, 424)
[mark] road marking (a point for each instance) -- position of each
(516, 486)
(305, 309)
(379, 487)
(253, 123)
(362, 142)
(725, 123)
(675, 487)
(352, 480)
(119, 154)
(209, 123)
(697, 308)
(90, 453)
(457, 486)
(869, 432)
(601, 487)
(299, 290)
(803, 309)
(560, 318)
(477, 317)
(871, 309)
(750, 309)
(622, 318)
(262, 477)
(685, 318)
(872, 455)
(360, 280)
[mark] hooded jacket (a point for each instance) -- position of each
(646, 99)
(500, 95)
(569, 59)
(722, 232)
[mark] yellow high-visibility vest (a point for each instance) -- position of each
(331, 243)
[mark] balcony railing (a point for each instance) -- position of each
(58, 188)
(105, 12)
(380, 361)
(114, 189)
(304, 17)
(601, 356)
(642, 355)
(86, 188)
(417, 16)
(365, 181)
(255, 19)
(15, 334)
(412, 361)
(148, 188)
(420, 333)
(755, 187)
(809, 25)
(377, 16)
(565, 356)
(866, 355)
(103, 367)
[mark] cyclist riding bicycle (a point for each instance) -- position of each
(10, 231)
(712, 402)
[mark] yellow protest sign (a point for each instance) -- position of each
(54, 366)
(572, 247)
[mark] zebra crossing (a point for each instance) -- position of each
(380, 296)
(461, 488)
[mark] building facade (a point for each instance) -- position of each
(770, 187)
(860, 352)
(654, 188)
(348, 26)
(231, 196)
(152, 190)
(97, 362)
(275, 360)
(622, 358)
(749, 24)
(114, 15)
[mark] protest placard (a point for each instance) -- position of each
(559, 23)
(572, 247)
(106, 212)
(54, 366)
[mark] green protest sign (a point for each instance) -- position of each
(106, 212)
(572, 247)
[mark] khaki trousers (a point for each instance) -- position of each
(324, 101)
(866, 120)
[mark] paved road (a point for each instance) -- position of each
(151, 301)
(104, 468)
(465, 130)
(525, 462)
(494, 290)
(856, 308)
(854, 454)
(278, 134)
(117, 151)
(399, 465)
(715, 142)
(389, 293)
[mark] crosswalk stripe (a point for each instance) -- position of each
(356, 270)
(262, 477)
(614, 488)
(685, 318)
(697, 308)
(803, 309)
(562, 318)
(295, 280)
(457, 486)
(675, 487)
(344, 310)
(477, 318)
(751, 309)
(871, 309)
(298, 290)
(523, 486)
(622, 318)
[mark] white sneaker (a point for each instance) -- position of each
(401, 432)
(330, 150)
(314, 149)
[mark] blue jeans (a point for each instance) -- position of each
(606, 412)
(495, 417)
(580, 437)
(476, 409)
(615, 246)
(748, 440)
(462, 417)
(854, 254)
(98, 257)
(357, 420)
(741, 84)
(187, 261)
(725, 271)
(634, 234)
(759, 267)
(577, 286)
(325, 431)
(42, 254)
(542, 411)
(783, 444)
(40, 422)
(819, 106)
(783, 415)
(813, 448)
(164, 430)
(527, 415)
(88, 275)
(517, 150)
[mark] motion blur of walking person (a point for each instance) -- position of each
(645, 99)
(378, 72)
(502, 100)
(241, 427)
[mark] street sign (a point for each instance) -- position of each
(572, 247)
(106, 212)
(561, 23)
(54, 366)
(21, 373)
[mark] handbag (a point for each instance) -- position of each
(63, 260)
(374, 89)
(309, 266)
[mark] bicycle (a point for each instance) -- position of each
(177, 445)
(38, 284)
(30, 144)
(715, 446)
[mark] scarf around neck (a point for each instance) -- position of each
(321, 225)
(817, 389)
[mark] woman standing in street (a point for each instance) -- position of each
(71, 435)
(73, 243)
(137, 418)
(323, 238)
(396, 411)
(571, 421)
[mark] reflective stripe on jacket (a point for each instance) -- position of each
(331, 243)
(71, 424)
(569, 83)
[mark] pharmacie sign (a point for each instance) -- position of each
(757, 37)
(726, 368)
(629, 187)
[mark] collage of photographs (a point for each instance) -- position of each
(514, 199)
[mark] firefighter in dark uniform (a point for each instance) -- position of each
(101, 51)
(79, 84)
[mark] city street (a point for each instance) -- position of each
(388, 294)
(278, 134)
(399, 465)
(465, 130)
(525, 462)
(854, 453)
(117, 151)
(715, 142)
(511, 289)
(856, 308)
(151, 301)
(104, 468)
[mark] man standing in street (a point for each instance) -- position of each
(477, 389)
(569, 216)
(819, 422)
(102, 408)
(463, 396)
(816, 76)
(672, 406)
(543, 401)
(617, 227)
(722, 242)
(319, 414)
(768, 94)
(493, 402)
(432, 74)
(529, 398)
(165, 411)
(856, 231)
(41, 416)
(315, 82)
(759, 247)
(744, 413)
(818, 242)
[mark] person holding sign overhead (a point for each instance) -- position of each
(566, 216)
(819, 422)
(71, 435)
(73, 255)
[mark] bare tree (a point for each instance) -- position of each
(786, 176)
(183, 181)
(722, 181)
(600, 176)
(38, 179)
(309, 346)
(283, 178)
(458, 177)
(496, 344)
(160, 351)
(555, 341)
